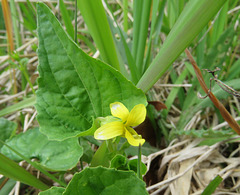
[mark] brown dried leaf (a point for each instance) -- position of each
(158, 105)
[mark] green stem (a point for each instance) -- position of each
(75, 33)
(28, 80)
(139, 162)
(125, 15)
(14, 21)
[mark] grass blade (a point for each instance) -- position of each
(143, 33)
(96, 20)
(125, 15)
(194, 17)
(212, 185)
(131, 63)
(137, 10)
(66, 19)
(15, 26)
(219, 24)
(174, 92)
(30, 15)
(23, 104)
(12, 170)
(156, 23)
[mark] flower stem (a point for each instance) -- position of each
(75, 18)
(139, 162)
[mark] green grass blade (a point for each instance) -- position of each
(17, 34)
(143, 33)
(75, 21)
(131, 63)
(174, 92)
(137, 11)
(172, 12)
(201, 47)
(23, 104)
(159, 25)
(31, 8)
(12, 170)
(212, 185)
(125, 15)
(96, 20)
(194, 17)
(66, 19)
(216, 57)
(234, 70)
(155, 19)
(29, 17)
(219, 24)
(88, 42)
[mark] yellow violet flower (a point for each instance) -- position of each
(123, 124)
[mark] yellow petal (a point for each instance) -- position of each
(109, 130)
(136, 116)
(132, 131)
(119, 110)
(134, 141)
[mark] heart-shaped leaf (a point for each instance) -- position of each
(100, 180)
(53, 155)
(73, 87)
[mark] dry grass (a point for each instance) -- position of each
(186, 168)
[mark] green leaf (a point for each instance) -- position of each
(74, 87)
(119, 162)
(133, 164)
(6, 129)
(88, 152)
(53, 191)
(212, 185)
(102, 156)
(105, 181)
(53, 155)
